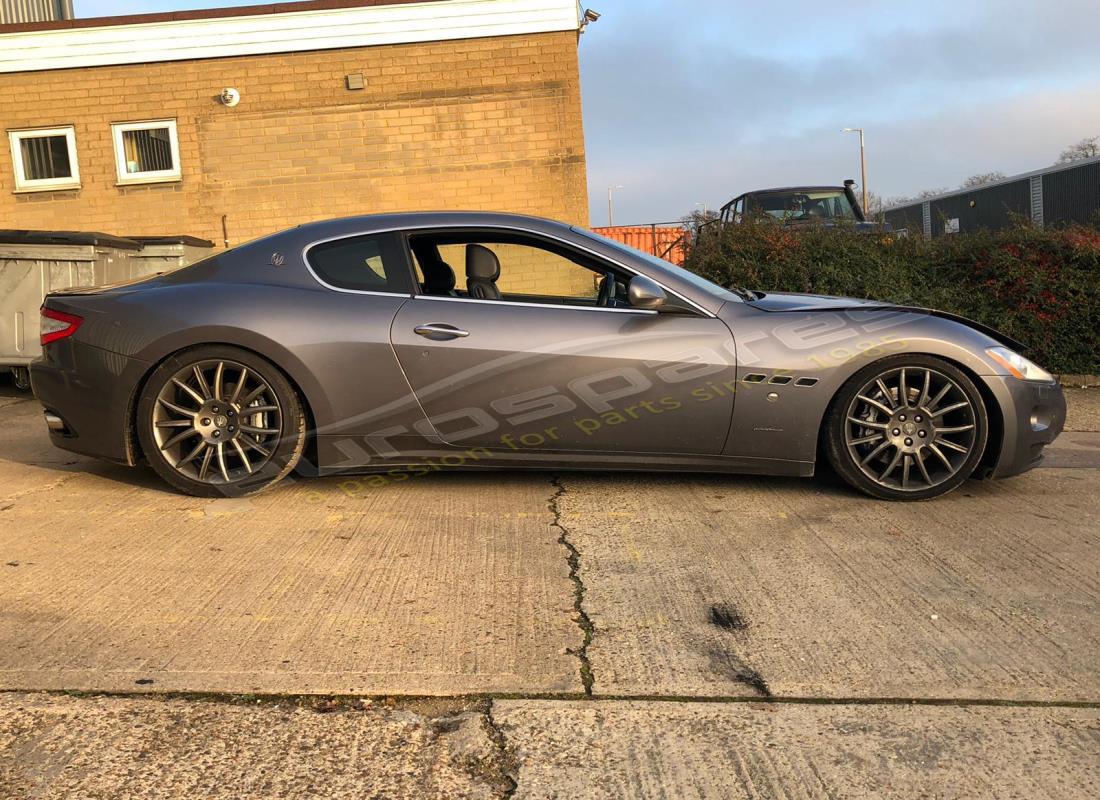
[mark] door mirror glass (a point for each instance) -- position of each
(646, 293)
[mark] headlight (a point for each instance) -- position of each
(1019, 366)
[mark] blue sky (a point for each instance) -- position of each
(695, 101)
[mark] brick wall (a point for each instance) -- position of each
(528, 270)
(491, 124)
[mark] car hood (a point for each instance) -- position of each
(780, 302)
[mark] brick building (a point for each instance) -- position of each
(339, 107)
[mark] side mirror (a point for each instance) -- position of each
(645, 293)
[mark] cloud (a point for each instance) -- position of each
(703, 104)
(938, 150)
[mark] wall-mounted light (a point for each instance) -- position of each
(230, 97)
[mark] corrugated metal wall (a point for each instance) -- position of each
(664, 241)
(986, 208)
(907, 218)
(35, 10)
(1072, 195)
(1058, 196)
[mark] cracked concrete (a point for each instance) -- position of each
(603, 636)
(63, 747)
(989, 592)
(573, 559)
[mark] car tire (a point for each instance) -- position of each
(219, 421)
(916, 450)
(21, 378)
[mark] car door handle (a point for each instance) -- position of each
(440, 331)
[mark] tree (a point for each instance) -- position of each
(1086, 148)
(981, 179)
(905, 200)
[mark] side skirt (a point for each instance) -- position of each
(423, 461)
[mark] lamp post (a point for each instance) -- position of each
(862, 163)
(611, 206)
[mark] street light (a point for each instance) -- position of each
(862, 163)
(704, 205)
(610, 205)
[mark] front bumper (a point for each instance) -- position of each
(90, 390)
(1033, 414)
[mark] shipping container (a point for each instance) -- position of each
(664, 241)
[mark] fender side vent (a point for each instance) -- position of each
(754, 377)
(781, 380)
(806, 382)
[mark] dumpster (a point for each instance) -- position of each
(164, 254)
(34, 263)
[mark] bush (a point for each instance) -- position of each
(1041, 287)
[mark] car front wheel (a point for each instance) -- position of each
(217, 421)
(907, 428)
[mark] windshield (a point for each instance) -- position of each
(805, 205)
(680, 272)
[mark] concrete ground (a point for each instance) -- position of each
(535, 635)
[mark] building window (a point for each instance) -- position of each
(44, 159)
(147, 152)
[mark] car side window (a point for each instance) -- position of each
(361, 263)
(502, 265)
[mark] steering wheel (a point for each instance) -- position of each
(606, 297)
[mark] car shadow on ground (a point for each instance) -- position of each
(352, 486)
(39, 453)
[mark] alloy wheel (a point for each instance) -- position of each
(911, 428)
(216, 421)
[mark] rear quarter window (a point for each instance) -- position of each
(362, 264)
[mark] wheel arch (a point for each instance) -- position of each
(134, 453)
(994, 412)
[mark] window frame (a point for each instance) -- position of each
(551, 243)
(124, 178)
(24, 184)
(403, 231)
(391, 247)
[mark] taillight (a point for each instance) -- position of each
(58, 325)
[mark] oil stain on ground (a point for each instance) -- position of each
(724, 659)
(727, 618)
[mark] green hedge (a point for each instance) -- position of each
(1040, 287)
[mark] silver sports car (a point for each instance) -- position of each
(398, 345)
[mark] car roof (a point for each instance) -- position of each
(425, 219)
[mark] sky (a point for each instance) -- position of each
(696, 101)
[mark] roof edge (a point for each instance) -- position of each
(1002, 182)
(222, 12)
(313, 25)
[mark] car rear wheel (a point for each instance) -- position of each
(907, 428)
(217, 421)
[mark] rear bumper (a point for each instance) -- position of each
(1033, 416)
(90, 390)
